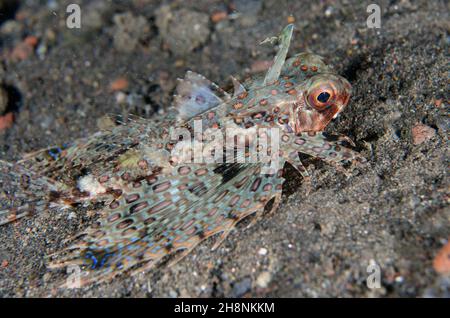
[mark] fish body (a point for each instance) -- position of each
(168, 183)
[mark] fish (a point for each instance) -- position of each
(165, 184)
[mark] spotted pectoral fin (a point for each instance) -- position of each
(196, 94)
(149, 219)
(167, 214)
(326, 147)
(284, 39)
(23, 191)
(43, 160)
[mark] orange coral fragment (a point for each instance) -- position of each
(441, 262)
(6, 121)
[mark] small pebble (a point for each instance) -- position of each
(121, 98)
(173, 294)
(22, 51)
(249, 10)
(179, 63)
(105, 122)
(422, 133)
(399, 279)
(219, 16)
(262, 251)
(264, 279)
(129, 30)
(72, 215)
(31, 40)
(6, 121)
(119, 84)
(11, 27)
(182, 30)
(95, 15)
(46, 277)
(242, 287)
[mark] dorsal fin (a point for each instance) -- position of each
(196, 94)
(284, 39)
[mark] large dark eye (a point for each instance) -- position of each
(323, 97)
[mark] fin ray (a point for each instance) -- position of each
(195, 94)
(275, 70)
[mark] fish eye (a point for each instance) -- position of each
(323, 97)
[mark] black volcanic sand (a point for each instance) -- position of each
(392, 212)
